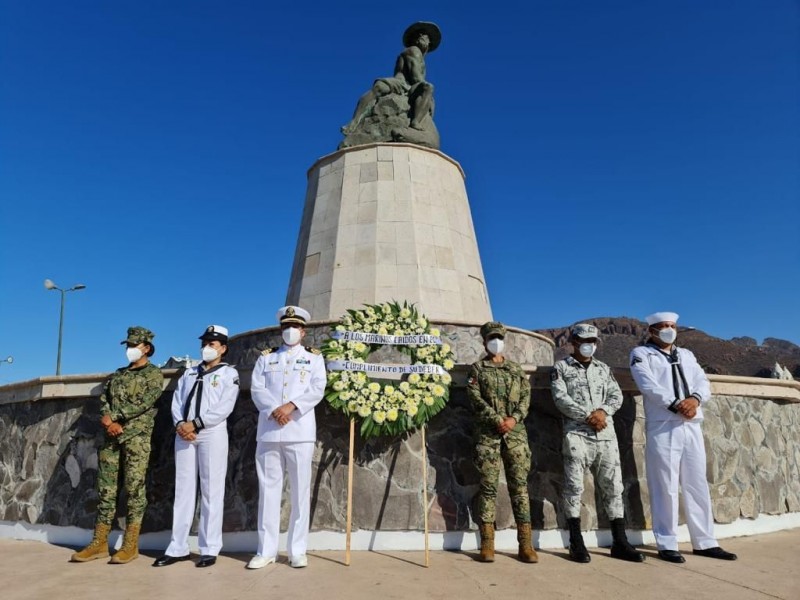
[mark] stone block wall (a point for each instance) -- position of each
(48, 462)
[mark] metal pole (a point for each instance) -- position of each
(60, 332)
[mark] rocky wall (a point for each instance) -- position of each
(48, 466)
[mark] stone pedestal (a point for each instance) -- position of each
(388, 222)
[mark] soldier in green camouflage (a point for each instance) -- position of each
(127, 405)
(500, 394)
(587, 395)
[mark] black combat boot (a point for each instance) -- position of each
(577, 550)
(621, 548)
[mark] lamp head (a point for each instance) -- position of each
(80, 286)
(48, 284)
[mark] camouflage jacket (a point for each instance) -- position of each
(497, 391)
(129, 397)
(578, 391)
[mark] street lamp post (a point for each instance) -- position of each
(48, 284)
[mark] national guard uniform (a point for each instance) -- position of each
(498, 390)
(128, 400)
(675, 453)
(290, 375)
(580, 386)
(205, 397)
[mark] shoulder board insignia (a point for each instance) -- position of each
(269, 351)
(313, 350)
(635, 360)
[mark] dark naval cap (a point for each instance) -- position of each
(493, 328)
(215, 332)
(139, 335)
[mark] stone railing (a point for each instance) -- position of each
(49, 436)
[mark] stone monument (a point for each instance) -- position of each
(386, 219)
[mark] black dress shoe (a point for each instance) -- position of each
(716, 552)
(206, 561)
(672, 556)
(163, 561)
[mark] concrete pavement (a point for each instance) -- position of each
(768, 567)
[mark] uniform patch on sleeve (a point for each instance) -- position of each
(236, 381)
(635, 360)
(472, 380)
(554, 375)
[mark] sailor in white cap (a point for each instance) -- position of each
(205, 397)
(587, 395)
(288, 382)
(674, 388)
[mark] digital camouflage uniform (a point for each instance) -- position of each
(496, 391)
(578, 390)
(128, 398)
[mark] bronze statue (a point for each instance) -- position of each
(399, 108)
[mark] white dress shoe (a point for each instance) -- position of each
(298, 561)
(258, 562)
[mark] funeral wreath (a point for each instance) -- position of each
(397, 406)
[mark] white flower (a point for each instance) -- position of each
(352, 406)
(374, 387)
(439, 390)
(448, 364)
(379, 416)
(388, 390)
(428, 400)
(391, 415)
(445, 348)
(435, 332)
(338, 386)
(363, 411)
(340, 328)
(404, 387)
(405, 313)
(412, 410)
(414, 378)
(446, 379)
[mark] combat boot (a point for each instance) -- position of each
(97, 548)
(577, 550)
(621, 548)
(130, 545)
(526, 552)
(487, 542)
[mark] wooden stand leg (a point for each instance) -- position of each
(349, 493)
(425, 494)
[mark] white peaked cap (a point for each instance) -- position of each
(293, 314)
(661, 317)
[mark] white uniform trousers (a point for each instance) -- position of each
(676, 456)
(272, 459)
(208, 457)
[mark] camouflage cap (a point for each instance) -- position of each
(139, 335)
(493, 328)
(584, 331)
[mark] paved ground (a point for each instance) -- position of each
(768, 567)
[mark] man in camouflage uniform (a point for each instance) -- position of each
(500, 394)
(586, 393)
(127, 405)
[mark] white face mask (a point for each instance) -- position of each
(133, 354)
(291, 336)
(209, 354)
(587, 350)
(667, 335)
(495, 346)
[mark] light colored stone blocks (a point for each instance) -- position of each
(388, 222)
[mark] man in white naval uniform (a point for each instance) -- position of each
(674, 388)
(288, 382)
(205, 397)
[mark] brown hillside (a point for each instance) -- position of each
(739, 356)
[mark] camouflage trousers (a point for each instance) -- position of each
(601, 457)
(491, 456)
(131, 456)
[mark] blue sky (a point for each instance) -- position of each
(621, 158)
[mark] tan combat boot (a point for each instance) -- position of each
(130, 545)
(526, 552)
(487, 542)
(97, 548)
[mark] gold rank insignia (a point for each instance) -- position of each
(290, 311)
(313, 350)
(268, 351)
